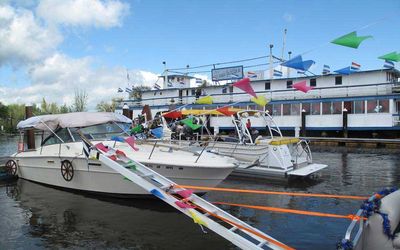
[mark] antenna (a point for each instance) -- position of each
(283, 47)
(271, 66)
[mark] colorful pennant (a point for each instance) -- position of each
(204, 100)
(388, 64)
(298, 63)
(244, 85)
(350, 40)
(393, 56)
(183, 205)
(131, 142)
(117, 138)
(137, 129)
(157, 132)
(173, 115)
(157, 193)
(189, 122)
(225, 111)
(102, 147)
(186, 193)
(302, 86)
(260, 100)
(196, 218)
(345, 71)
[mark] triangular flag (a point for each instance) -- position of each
(345, 71)
(137, 129)
(196, 218)
(119, 152)
(157, 193)
(260, 100)
(393, 56)
(131, 142)
(183, 205)
(157, 132)
(173, 114)
(186, 193)
(350, 40)
(298, 63)
(189, 122)
(117, 138)
(204, 100)
(102, 147)
(225, 111)
(302, 86)
(113, 157)
(244, 85)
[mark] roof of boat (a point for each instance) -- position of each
(71, 120)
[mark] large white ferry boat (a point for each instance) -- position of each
(362, 104)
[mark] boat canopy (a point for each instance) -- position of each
(71, 120)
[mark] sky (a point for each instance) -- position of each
(52, 48)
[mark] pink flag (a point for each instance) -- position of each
(119, 152)
(102, 147)
(113, 157)
(183, 205)
(302, 86)
(244, 85)
(185, 193)
(131, 142)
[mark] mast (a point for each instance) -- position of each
(271, 66)
(283, 47)
(165, 75)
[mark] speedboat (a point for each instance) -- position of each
(61, 160)
(271, 156)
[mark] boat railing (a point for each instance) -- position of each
(301, 148)
(359, 222)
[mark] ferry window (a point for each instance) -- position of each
(313, 82)
(372, 106)
(276, 109)
(336, 107)
(289, 84)
(224, 90)
(231, 89)
(193, 92)
(295, 109)
(358, 107)
(315, 108)
(306, 107)
(286, 109)
(252, 107)
(160, 93)
(338, 80)
(267, 85)
(384, 106)
(269, 108)
(326, 108)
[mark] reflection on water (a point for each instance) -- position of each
(36, 216)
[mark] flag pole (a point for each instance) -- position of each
(271, 68)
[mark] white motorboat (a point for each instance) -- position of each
(61, 161)
(273, 156)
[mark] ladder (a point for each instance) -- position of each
(202, 212)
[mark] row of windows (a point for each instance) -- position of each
(329, 108)
(313, 83)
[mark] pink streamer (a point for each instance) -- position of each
(302, 86)
(244, 85)
(131, 142)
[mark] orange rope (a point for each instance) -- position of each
(274, 192)
(293, 211)
(262, 236)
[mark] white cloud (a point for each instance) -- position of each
(85, 13)
(59, 76)
(23, 39)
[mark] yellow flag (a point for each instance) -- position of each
(260, 100)
(204, 100)
(197, 219)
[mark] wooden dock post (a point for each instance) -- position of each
(344, 126)
(303, 123)
(30, 132)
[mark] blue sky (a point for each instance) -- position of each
(95, 48)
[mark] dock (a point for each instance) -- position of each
(354, 142)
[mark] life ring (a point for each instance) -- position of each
(11, 168)
(67, 170)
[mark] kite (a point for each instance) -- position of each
(393, 56)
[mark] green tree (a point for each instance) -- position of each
(64, 109)
(136, 93)
(104, 106)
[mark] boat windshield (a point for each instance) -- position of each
(101, 131)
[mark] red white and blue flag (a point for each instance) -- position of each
(326, 69)
(388, 64)
(355, 66)
(251, 74)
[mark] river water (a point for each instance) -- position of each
(34, 216)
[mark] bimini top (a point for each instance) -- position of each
(71, 120)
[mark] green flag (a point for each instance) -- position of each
(350, 40)
(393, 56)
(137, 129)
(189, 122)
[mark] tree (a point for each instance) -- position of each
(137, 92)
(3, 111)
(80, 100)
(104, 106)
(64, 109)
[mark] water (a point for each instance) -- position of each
(35, 216)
